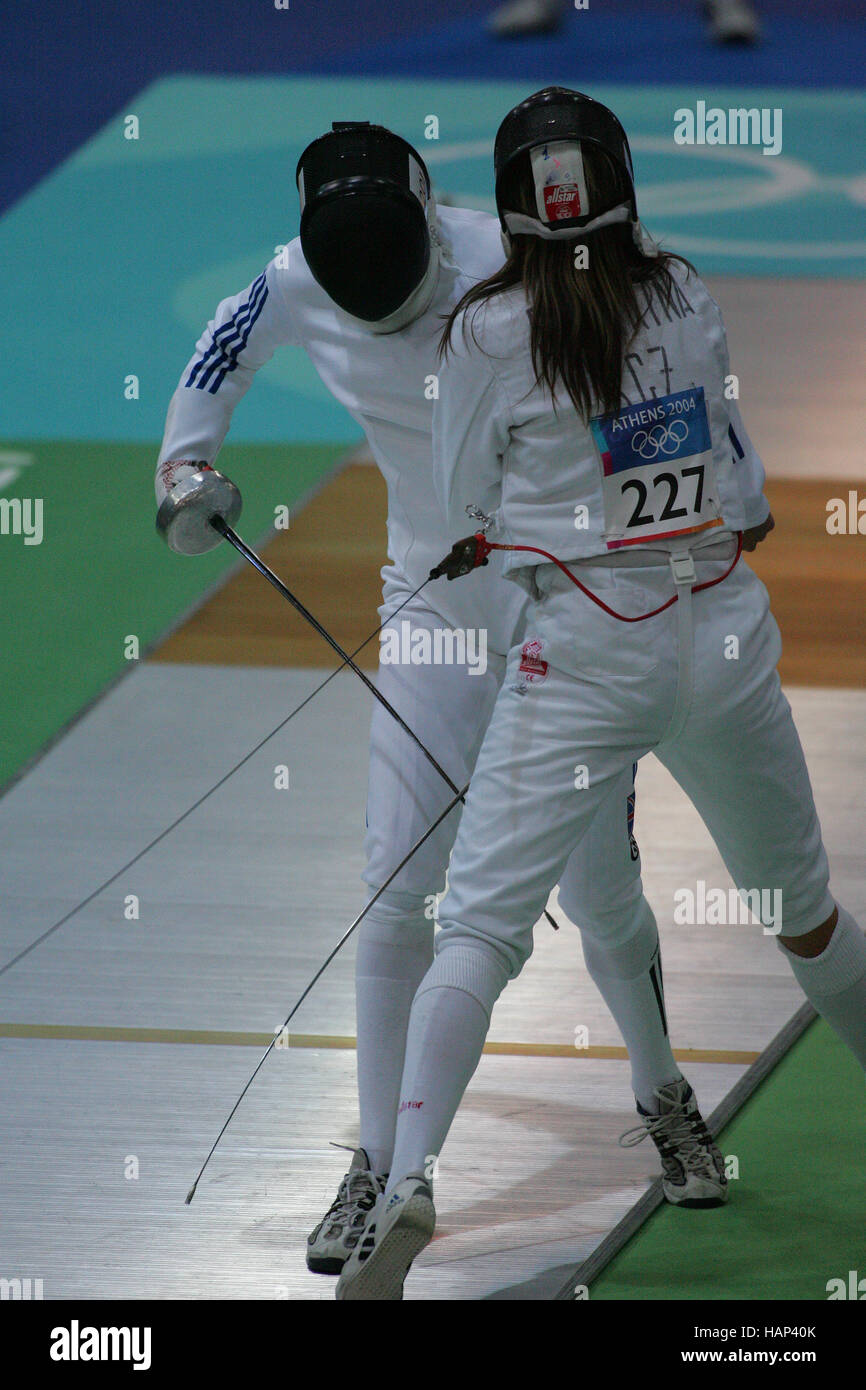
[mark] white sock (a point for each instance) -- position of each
(835, 982)
(449, 1022)
(395, 948)
(629, 979)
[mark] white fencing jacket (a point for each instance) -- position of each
(387, 382)
(673, 463)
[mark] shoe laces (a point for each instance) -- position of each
(678, 1130)
(356, 1196)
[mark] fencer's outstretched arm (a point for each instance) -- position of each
(242, 336)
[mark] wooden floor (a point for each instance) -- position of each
(332, 555)
(131, 1037)
(817, 585)
(134, 1038)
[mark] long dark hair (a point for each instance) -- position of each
(582, 321)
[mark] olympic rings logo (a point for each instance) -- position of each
(661, 439)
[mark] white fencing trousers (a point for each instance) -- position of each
(611, 694)
(449, 707)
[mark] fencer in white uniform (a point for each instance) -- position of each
(670, 647)
(374, 345)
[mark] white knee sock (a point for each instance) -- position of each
(629, 979)
(395, 948)
(835, 982)
(449, 1022)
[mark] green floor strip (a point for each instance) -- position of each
(796, 1219)
(100, 575)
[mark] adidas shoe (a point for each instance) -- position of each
(397, 1230)
(693, 1170)
(332, 1242)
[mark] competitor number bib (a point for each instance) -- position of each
(657, 464)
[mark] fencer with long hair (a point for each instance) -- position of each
(584, 410)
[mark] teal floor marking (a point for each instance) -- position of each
(113, 264)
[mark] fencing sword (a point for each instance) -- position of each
(186, 525)
(321, 970)
(187, 536)
(208, 501)
(184, 520)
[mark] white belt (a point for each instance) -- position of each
(679, 559)
(639, 556)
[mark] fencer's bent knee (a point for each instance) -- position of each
(599, 905)
(812, 943)
(616, 928)
(626, 953)
(399, 919)
(478, 969)
(841, 962)
(511, 950)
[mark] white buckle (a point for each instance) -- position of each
(683, 568)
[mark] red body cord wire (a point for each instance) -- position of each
(485, 546)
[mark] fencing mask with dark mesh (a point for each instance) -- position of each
(366, 218)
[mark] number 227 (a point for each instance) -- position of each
(669, 512)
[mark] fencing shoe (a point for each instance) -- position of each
(332, 1242)
(398, 1228)
(693, 1168)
